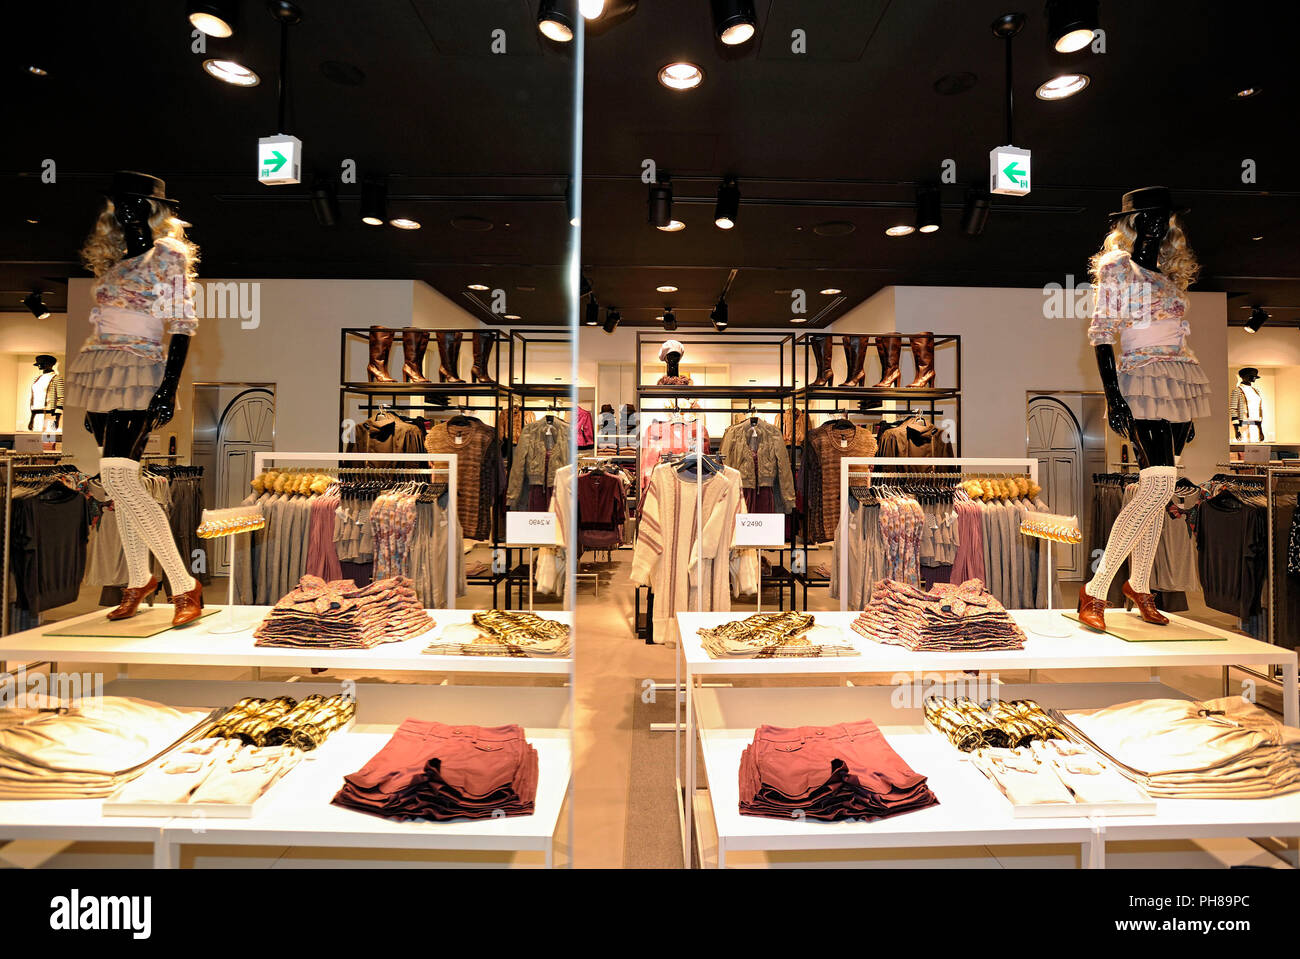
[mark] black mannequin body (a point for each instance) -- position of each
(1247, 375)
(1155, 442)
(123, 433)
(671, 361)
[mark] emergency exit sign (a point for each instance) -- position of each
(1009, 171)
(279, 159)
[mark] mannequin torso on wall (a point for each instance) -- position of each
(40, 403)
(1247, 407)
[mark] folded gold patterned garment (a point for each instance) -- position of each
(497, 632)
(774, 635)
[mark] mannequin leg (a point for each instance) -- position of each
(1155, 487)
(147, 521)
(1144, 550)
(133, 546)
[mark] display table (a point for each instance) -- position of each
(1081, 649)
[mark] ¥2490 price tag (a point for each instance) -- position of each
(530, 529)
(765, 530)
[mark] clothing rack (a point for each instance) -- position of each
(262, 458)
(21, 462)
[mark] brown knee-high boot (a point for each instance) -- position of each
(822, 351)
(414, 344)
(381, 341)
(482, 344)
(449, 357)
(923, 354)
(855, 353)
(890, 348)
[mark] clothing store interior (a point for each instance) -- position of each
(652, 394)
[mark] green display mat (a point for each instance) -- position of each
(147, 622)
(1130, 627)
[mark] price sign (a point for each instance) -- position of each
(766, 530)
(530, 529)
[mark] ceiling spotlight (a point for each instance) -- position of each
(1071, 24)
(477, 287)
(555, 20)
(611, 320)
(728, 207)
(591, 9)
(900, 229)
(213, 17)
(734, 21)
(1066, 85)
(404, 223)
(799, 318)
(512, 316)
(831, 291)
(38, 71)
(660, 200)
(975, 211)
(928, 211)
(681, 75)
(673, 226)
(35, 302)
(232, 72)
(665, 289)
(1241, 94)
(593, 312)
(719, 316)
(325, 202)
(374, 201)
(670, 321)
(1257, 319)
(1255, 238)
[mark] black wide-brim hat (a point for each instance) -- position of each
(1148, 198)
(45, 359)
(131, 183)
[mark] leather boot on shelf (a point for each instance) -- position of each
(414, 344)
(1092, 611)
(449, 357)
(189, 606)
(822, 349)
(482, 345)
(923, 354)
(1146, 605)
(890, 348)
(131, 599)
(855, 354)
(381, 341)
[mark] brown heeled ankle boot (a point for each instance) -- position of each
(381, 341)
(1146, 605)
(1092, 611)
(923, 354)
(822, 350)
(414, 344)
(482, 345)
(189, 606)
(856, 357)
(449, 357)
(131, 599)
(890, 348)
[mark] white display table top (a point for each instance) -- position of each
(198, 645)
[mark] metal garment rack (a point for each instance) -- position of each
(12, 461)
(260, 459)
(966, 465)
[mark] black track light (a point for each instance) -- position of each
(1071, 23)
(670, 321)
(734, 21)
(216, 18)
(611, 319)
(928, 209)
(584, 285)
(660, 202)
(975, 211)
(374, 201)
(325, 202)
(728, 208)
(1257, 319)
(36, 303)
(593, 312)
(719, 316)
(556, 19)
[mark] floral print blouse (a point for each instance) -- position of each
(140, 298)
(1141, 308)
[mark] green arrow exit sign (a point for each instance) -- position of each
(1009, 171)
(279, 159)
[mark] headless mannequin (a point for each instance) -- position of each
(123, 433)
(671, 361)
(1248, 376)
(54, 414)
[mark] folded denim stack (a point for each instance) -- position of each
(497, 632)
(1005, 725)
(948, 617)
(773, 635)
(429, 770)
(85, 751)
(1178, 749)
(284, 721)
(221, 771)
(828, 773)
(340, 615)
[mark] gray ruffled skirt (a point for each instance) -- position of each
(1178, 391)
(103, 380)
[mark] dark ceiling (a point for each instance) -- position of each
(839, 134)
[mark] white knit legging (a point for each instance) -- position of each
(1136, 531)
(143, 526)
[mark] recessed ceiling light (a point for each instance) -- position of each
(1248, 92)
(228, 71)
(831, 291)
(1255, 238)
(1066, 85)
(477, 286)
(798, 319)
(403, 223)
(38, 71)
(902, 229)
(591, 9)
(673, 226)
(665, 289)
(214, 18)
(512, 316)
(34, 222)
(681, 76)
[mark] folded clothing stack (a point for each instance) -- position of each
(221, 771)
(1004, 725)
(1055, 772)
(1178, 749)
(340, 615)
(498, 632)
(773, 635)
(85, 750)
(947, 617)
(429, 770)
(284, 721)
(846, 771)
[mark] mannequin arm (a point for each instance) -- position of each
(163, 405)
(1118, 414)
